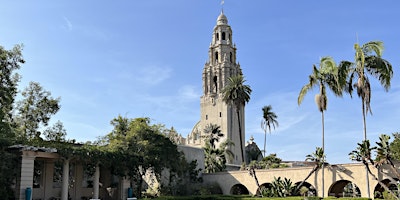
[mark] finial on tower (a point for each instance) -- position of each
(222, 5)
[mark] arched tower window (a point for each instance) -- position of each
(216, 56)
(215, 89)
(230, 57)
(223, 35)
(216, 36)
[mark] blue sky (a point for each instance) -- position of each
(144, 58)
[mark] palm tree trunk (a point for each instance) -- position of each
(323, 149)
(253, 173)
(364, 120)
(240, 133)
(365, 138)
(265, 141)
(308, 176)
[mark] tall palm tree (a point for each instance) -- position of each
(328, 75)
(237, 94)
(368, 60)
(269, 118)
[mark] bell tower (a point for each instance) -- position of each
(220, 66)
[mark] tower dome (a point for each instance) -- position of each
(222, 19)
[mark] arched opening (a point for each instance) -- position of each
(216, 56)
(378, 191)
(216, 36)
(263, 189)
(230, 57)
(215, 89)
(311, 189)
(344, 188)
(223, 35)
(239, 189)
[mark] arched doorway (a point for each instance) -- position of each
(311, 189)
(239, 189)
(344, 188)
(378, 191)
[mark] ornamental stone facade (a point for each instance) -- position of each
(220, 66)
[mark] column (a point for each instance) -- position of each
(25, 177)
(124, 185)
(65, 180)
(96, 182)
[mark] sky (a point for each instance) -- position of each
(144, 58)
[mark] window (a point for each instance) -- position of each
(216, 56)
(216, 36)
(215, 89)
(206, 117)
(223, 35)
(220, 114)
(230, 57)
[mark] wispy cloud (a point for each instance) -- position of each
(67, 25)
(153, 75)
(189, 92)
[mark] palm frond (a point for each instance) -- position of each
(373, 47)
(380, 69)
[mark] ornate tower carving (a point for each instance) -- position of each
(220, 66)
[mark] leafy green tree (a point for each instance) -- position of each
(268, 162)
(395, 146)
(35, 110)
(173, 135)
(237, 94)
(56, 132)
(140, 147)
(328, 75)
(10, 61)
(269, 119)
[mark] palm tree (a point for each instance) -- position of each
(368, 61)
(237, 94)
(215, 159)
(213, 133)
(318, 157)
(363, 154)
(328, 75)
(269, 118)
(384, 154)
